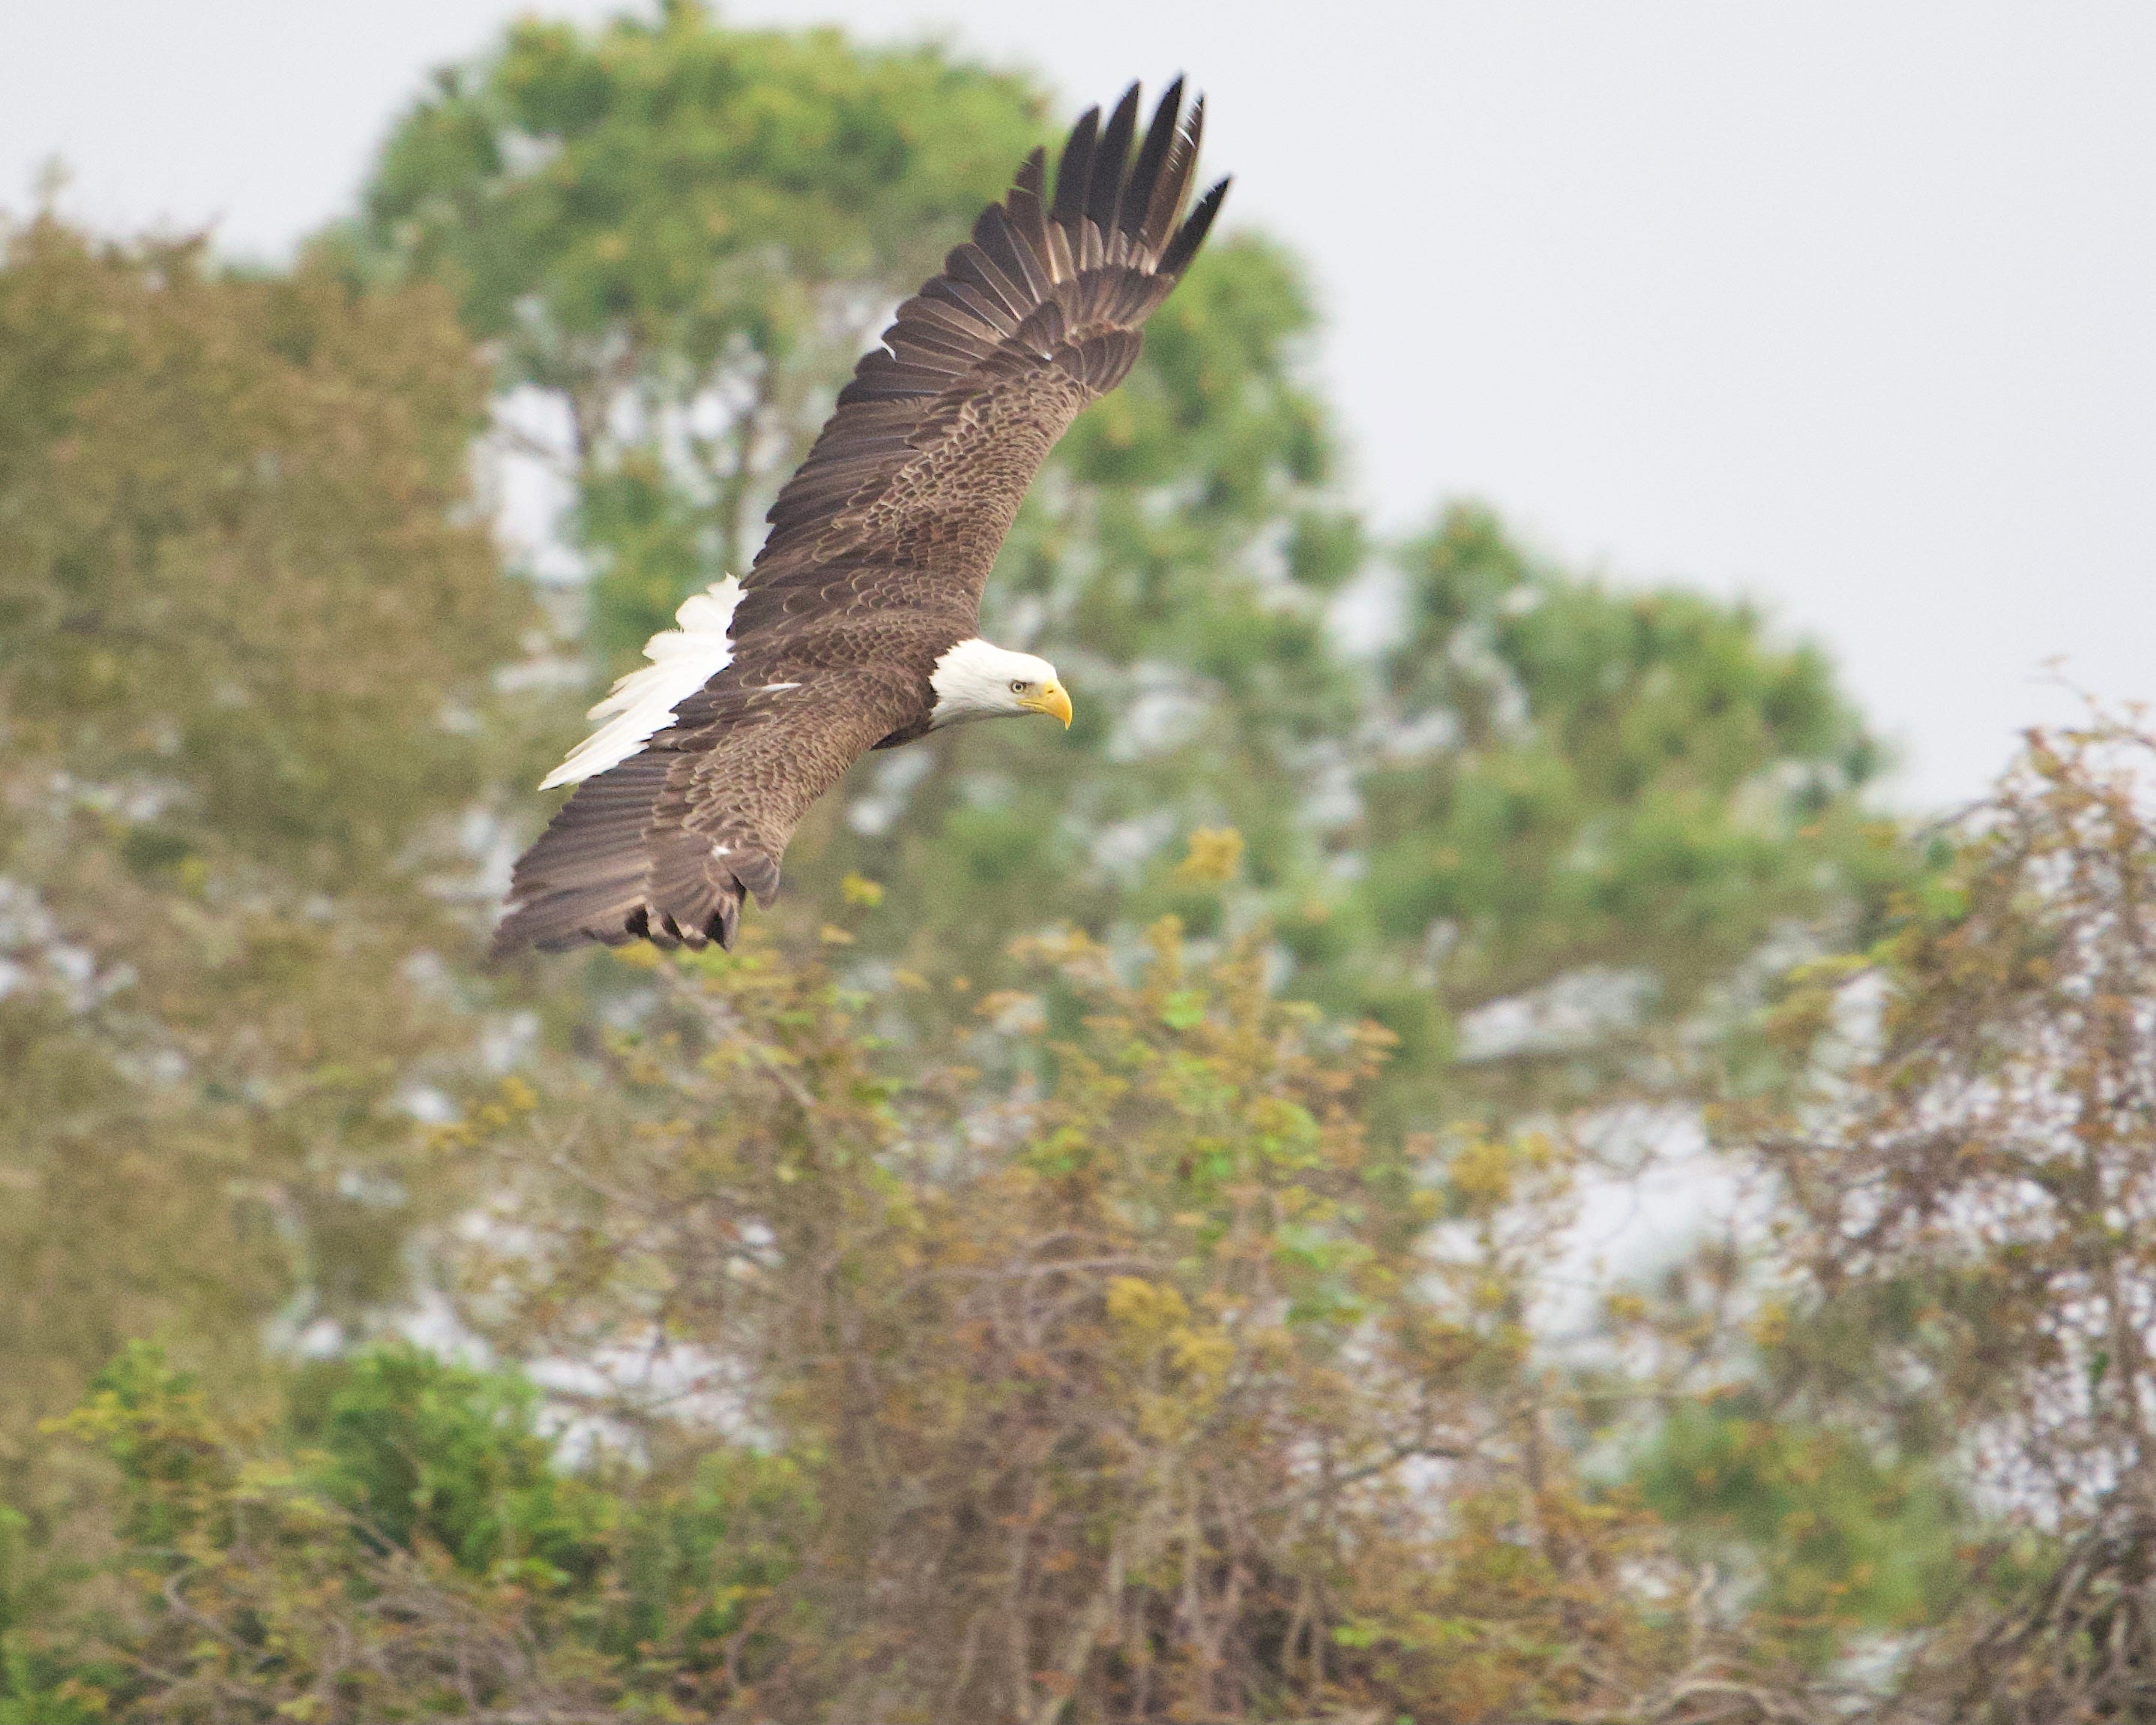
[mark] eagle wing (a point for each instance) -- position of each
(666, 844)
(879, 548)
(916, 478)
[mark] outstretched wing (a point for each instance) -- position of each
(666, 845)
(915, 481)
(878, 550)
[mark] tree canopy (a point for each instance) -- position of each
(246, 632)
(680, 237)
(1110, 1245)
(687, 232)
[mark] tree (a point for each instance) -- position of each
(1651, 788)
(683, 236)
(1971, 1198)
(413, 1564)
(1112, 1393)
(1084, 1254)
(1107, 1405)
(246, 627)
(1591, 812)
(1160, 1381)
(686, 234)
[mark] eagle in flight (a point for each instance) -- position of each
(858, 625)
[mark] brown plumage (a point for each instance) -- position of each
(857, 625)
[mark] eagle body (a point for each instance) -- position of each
(858, 626)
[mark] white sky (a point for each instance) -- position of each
(1848, 306)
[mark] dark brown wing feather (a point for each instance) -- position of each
(918, 475)
(666, 846)
(881, 544)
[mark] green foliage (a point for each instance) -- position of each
(418, 1450)
(682, 234)
(237, 1591)
(1631, 792)
(247, 629)
(40, 1685)
(704, 1553)
(405, 1543)
(155, 1426)
(1140, 1367)
(1841, 1539)
(1968, 1193)
(1087, 1254)
(629, 174)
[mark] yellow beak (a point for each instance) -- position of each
(1049, 698)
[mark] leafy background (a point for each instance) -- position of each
(1110, 1245)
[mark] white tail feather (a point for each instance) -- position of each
(642, 703)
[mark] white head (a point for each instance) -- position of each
(977, 679)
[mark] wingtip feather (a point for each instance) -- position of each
(1192, 234)
(1073, 171)
(1104, 190)
(1134, 216)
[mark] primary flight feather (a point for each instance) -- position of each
(858, 625)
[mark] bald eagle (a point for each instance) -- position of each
(858, 626)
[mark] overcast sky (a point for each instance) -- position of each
(1848, 307)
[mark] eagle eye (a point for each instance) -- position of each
(1017, 688)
